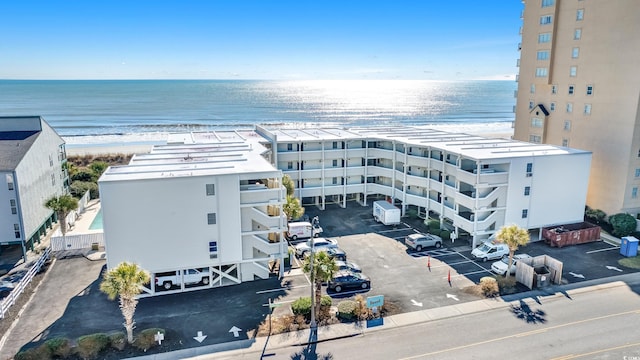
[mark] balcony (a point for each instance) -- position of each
(379, 153)
(256, 195)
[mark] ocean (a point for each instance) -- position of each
(87, 112)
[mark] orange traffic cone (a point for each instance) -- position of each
(429, 262)
(449, 277)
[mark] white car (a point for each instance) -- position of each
(490, 251)
(318, 243)
(500, 267)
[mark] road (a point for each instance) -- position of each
(596, 324)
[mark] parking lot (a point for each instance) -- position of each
(408, 280)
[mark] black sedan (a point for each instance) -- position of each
(349, 280)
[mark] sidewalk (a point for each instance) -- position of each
(338, 331)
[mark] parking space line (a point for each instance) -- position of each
(595, 251)
(392, 230)
(451, 264)
(282, 288)
(470, 273)
(473, 261)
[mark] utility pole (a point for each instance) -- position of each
(313, 325)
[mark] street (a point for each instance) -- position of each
(599, 324)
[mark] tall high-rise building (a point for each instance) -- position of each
(579, 86)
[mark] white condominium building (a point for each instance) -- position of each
(473, 184)
(210, 202)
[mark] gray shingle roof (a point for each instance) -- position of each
(13, 147)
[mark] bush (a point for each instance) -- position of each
(146, 339)
(84, 174)
(78, 188)
(347, 309)
(118, 340)
(436, 232)
(41, 352)
(89, 346)
(489, 286)
(60, 347)
(445, 235)
(302, 306)
(98, 167)
(623, 224)
(433, 224)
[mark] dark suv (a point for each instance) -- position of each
(349, 280)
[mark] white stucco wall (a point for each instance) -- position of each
(168, 221)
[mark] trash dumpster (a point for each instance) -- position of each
(542, 276)
(629, 246)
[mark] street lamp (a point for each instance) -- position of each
(313, 324)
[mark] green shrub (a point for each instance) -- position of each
(489, 286)
(347, 309)
(433, 224)
(146, 339)
(445, 235)
(89, 346)
(98, 167)
(623, 224)
(84, 174)
(118, 340)
(302, 306)
(78, 188)
(60, 347)
(41, 352)
(436, 232)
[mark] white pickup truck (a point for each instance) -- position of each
(174, 278)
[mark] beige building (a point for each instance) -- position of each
(579, 86)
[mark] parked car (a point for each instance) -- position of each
(318, 243)
(349, 280)
(348, 266)
(419, 241)
(174, 278)
(500, 267)
(490, 251)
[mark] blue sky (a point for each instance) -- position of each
(261, 39)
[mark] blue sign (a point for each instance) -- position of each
(375, 322)
(375, 301)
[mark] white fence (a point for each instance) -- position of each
(19, 289)
(74, 242)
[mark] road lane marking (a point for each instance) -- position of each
(607, 249)
(574, 356)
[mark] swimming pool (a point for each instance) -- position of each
(96, 224)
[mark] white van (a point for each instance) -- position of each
(302, 230)
(490, 251)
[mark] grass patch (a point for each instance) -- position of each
(630, 262)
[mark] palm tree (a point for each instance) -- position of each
(125, 281)
(324, 268)
(288, 184)
(514, 236)
(62, 205)
(292, 208)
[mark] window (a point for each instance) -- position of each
(571, 89)
(637, 172)
(50, 160)
(529, 168)
(573, 71)
(14, 209)
(334, 181)
(567, 125)
(536, 122)
(10, 185)
(525, 213)
(565, 142)
(335, 145)
(290, 165)
(544, 38)
(536, 139)
(569, 107)
(335, 163)
(53, 179)
(211, 218)
(554, 89)
(589, 89)
(634, 192)
(542, 72)
(577, 34)
(17, 234)
(546, 19)
(530, 105)
(552, 106)
(543, 55)
(289, 147)
(213, 249)
(210, 189)
(16, 227)
(547, 3)
(587, 109)
(575, 52)
(580, 14)
(527, 190)
(532, 88)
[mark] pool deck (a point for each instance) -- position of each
(83, 222)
